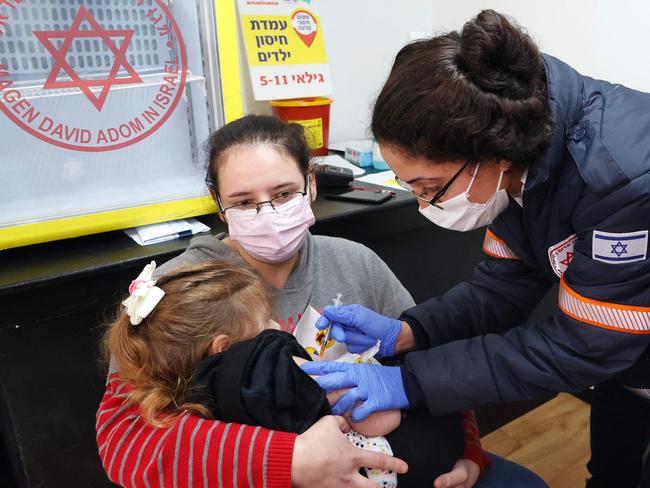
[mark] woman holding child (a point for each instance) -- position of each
(211, 308)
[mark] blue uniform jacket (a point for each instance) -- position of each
(584, 222)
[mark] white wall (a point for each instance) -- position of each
(361, 38)
(601, 38)
(604, 39)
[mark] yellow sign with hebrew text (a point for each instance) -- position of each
(285, 49)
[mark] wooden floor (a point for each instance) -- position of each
(552, 441)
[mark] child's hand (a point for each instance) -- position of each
(464, 475)
(344, 425)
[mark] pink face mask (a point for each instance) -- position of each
(272, 236)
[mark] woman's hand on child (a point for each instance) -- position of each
(464, 475)
(323, 457)
(360, 328)
(378, 387)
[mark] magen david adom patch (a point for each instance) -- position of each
(561, 254)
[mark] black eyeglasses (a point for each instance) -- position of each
(282, 199)
(430, 197)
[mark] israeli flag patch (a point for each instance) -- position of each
(619, 248)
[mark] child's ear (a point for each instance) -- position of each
(220, 344)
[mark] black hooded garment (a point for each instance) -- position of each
(256, 382)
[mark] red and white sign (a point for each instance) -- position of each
(305, 25)
(130, 122)
(561, 254)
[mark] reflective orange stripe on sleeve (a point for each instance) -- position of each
(613, 316)
(496, 247)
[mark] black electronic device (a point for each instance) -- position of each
(363, 196)
(333, 176)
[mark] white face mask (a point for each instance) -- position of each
(458, 213)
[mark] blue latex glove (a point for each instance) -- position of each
(378, 387)
(360, 328)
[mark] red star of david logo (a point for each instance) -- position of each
(61, 64)
(567, 260)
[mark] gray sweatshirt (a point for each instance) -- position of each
(327, 267)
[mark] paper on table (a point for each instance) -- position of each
(308, 337)
(385, 178)
(339, 162)
(165, 231)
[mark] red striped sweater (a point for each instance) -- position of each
(194, 452)
(191, 452)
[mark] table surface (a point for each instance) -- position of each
(42, 262)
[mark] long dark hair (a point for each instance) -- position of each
(472, 95)
(255, 129)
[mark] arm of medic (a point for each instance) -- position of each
(377, 424)
(468, 310)
(501, 295)
(563, 352)
(567, 351)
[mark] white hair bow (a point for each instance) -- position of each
(144, 295)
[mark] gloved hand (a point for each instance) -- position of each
(360, 328)
(378, 387)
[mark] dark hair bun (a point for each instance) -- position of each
(498, 56)
(479, 94)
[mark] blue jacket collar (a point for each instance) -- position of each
(565, 93)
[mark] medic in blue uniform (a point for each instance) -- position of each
(485, 130)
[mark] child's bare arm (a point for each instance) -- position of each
(379, 423)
